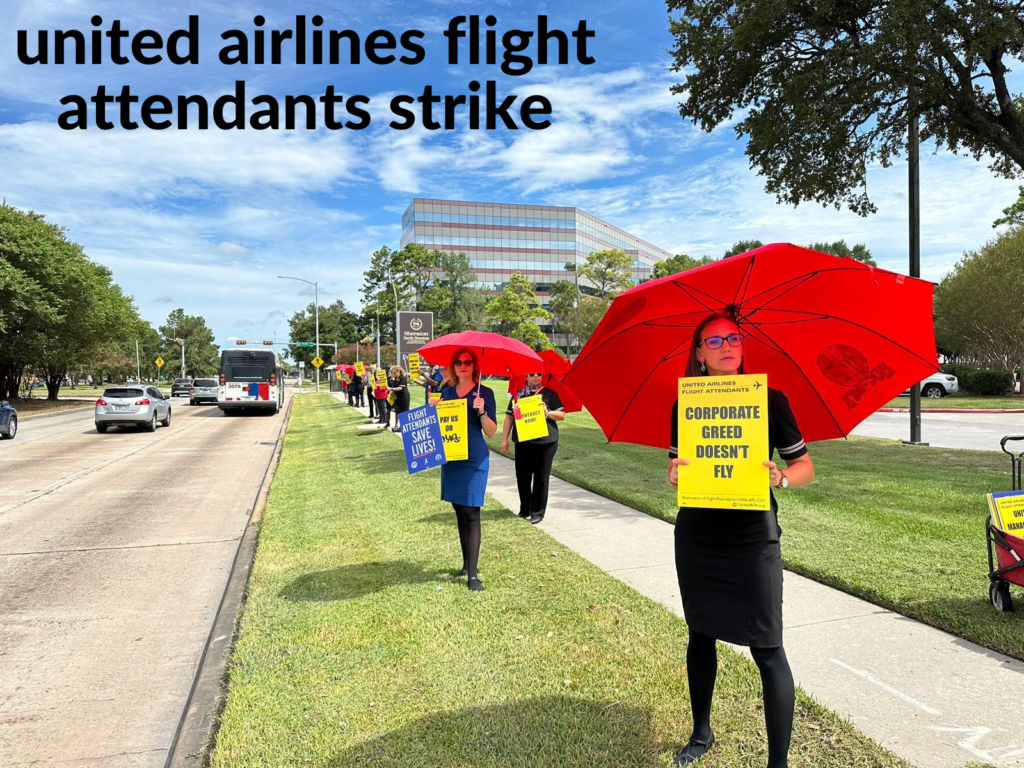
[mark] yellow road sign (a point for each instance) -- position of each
(317, 362)
(159, 362)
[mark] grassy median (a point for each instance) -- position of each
(900, 526)
(356, 648)
(961, 401)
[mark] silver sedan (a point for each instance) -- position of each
(132, 406)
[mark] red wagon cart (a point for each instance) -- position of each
(1005, 550)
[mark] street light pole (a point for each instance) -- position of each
(398, 356)
(316, 306)
(138, 366)
(378, 329)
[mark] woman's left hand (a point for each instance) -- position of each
(774, 473)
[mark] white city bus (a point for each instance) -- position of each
(250, 379)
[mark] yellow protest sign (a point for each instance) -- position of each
(159, 362)
(317, 361)
(360, 370)
(391, 398)
(723, 432)
(337, 374)
(435, 398)
(530, 420)
(452, 416)
(382, 377)
(1007, 508)
(414, 366)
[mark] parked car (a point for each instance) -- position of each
(8, 421)
(180, 387)
(132, 406)
(938, 385)
(203, 391)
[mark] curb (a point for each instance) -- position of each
(194, 735)
(22, 417)
(953, 410)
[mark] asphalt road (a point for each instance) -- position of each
(114, 554)
(981, 431)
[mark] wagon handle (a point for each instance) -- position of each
(1005, 440)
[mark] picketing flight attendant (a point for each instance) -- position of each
(464, 483)
(730, 566)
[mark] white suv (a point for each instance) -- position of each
(937, 385)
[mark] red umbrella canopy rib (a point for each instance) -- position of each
(838, 337)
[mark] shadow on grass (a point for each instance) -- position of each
(352, 581)
(545, 731)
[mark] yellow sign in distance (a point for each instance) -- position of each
(159, 362)
(382, 377)
(317, 362)
(435, 398)
(337, 374)
(414, 366)
(723, 432)
(452, 415)
(360, 369)
(529, 418)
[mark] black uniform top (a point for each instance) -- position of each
(552, 401)
(357, 382)
(713, 524)
(401, 398)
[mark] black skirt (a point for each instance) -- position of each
(730, 577)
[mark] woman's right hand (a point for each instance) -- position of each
(673, 470)
(504, 445)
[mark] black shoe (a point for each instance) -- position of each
(536, 519)
(460, 574)
(474, 584)
(695, 750)
(524, 515)
(396, 429)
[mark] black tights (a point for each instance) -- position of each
(468, 519)
(776, 679)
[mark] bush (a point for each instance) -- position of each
(989, 382)
(962, 372)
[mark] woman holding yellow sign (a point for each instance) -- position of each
(729, 562)
(535, 455)
(464, 483)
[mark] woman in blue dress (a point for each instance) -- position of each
(463, 483)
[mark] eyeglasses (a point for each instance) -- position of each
(464, 362)
(715, 342)
(535, 374)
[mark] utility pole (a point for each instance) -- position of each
(914, 200)
(138, 366)
(378, 329)
(316, 306)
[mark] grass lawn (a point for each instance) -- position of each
(902, 527)
(39, 405)
(356, 649)
(959, 400)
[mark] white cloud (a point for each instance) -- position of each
(233, 249)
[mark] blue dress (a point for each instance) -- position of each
(465, 482)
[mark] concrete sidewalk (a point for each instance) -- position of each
(932, 698)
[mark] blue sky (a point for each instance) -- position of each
(205, 220)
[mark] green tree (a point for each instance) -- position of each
(859, 252)
(826, 90)
(979, 315)
(515, 311)
(202, 356)
(742, 247)
(337, 326)
(390, 273)
(584, 320)
(454, 298)
(563, 306)
(678, 263)
(609, 272)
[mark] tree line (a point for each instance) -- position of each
(64, 319)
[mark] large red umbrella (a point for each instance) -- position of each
(555, 367)
(838, 337)
(498, 355)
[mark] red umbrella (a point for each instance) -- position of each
(498, 355)
(838, 337)
(555, 367)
